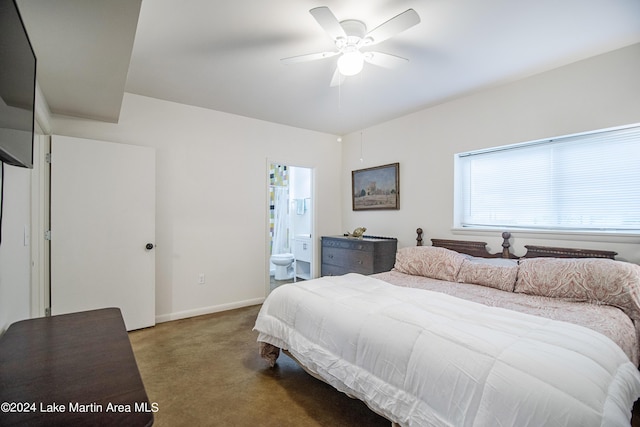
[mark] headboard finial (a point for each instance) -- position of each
(505, 244)
(419, 238)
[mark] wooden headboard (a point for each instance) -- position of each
(479, 249)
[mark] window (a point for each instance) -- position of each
(579, 182)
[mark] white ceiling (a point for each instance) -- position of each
(225, 55)
(83, 50)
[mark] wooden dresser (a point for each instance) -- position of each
(341, 255)
(70, 370)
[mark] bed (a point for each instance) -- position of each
(457, 336)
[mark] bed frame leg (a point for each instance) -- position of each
(269, 352)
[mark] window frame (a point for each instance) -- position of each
(630, 235)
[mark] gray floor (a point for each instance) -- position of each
(275, 283)
(206, 371)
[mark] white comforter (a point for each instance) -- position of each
(422, 358)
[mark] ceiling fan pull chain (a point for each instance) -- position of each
(339, 95)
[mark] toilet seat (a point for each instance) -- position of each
(283, 263)
(282, 257)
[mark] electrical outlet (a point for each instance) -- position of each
(201, 279)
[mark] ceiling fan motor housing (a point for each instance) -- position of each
(353, 27)
(355, 31)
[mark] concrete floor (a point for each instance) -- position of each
(206, 371)
(273, 283)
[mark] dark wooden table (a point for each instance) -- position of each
(71, 370)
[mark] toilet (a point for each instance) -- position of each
(282, 263)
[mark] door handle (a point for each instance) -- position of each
(148, 246)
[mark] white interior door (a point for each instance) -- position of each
(102, 218)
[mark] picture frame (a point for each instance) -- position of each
(376, 188)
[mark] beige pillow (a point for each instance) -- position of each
(601, 281)
(492, 272)
(429, 261)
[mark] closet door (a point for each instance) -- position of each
(103, 228)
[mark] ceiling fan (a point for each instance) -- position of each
(350, 36)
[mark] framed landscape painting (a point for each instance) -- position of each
(376, 188)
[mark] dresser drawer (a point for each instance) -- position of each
(349, 244)
(347, 258)
(333, 270)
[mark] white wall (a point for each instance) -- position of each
(211, 176)
(16, 262)
(597, 93)
(15, 257)
(212, 195)
(300, 189)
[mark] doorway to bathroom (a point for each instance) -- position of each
(290, 217)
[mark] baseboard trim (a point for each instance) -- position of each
(207, 310)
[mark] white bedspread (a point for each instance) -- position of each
(422, 358)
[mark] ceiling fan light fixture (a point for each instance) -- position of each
(350, 35)
(350, 63)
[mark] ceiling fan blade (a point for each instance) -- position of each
(385, 60)
(393, 26)
(337, 78)
(308, 57)
(328, 22)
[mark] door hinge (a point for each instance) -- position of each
(47, 235)
(47, 158)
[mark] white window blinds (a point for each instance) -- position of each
(582, 182)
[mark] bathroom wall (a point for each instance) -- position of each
(301, 200)
(298, 182)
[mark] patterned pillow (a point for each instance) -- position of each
(492, 272)
(429, 261)
(601, 281)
